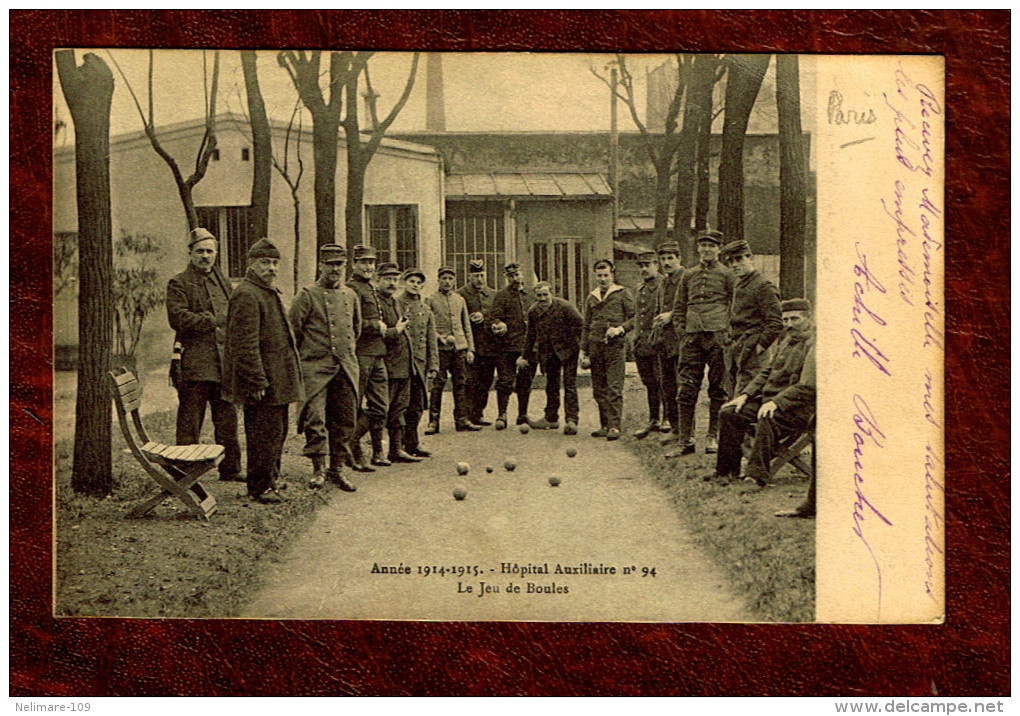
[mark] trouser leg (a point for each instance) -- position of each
(506, 367)
(667, 373)
(399, 399)
(648, 370)
(616, 366)
(439, 384)
(522, 386)
(341, 407)
(598, 382)
(481, 373)
(733, 427)
(692, 368)
(412, 416)
(224, 417)
(714, 358)
(459, 368)
(192, 395)
(552, 369)
(265, 430)
(571, 405)
(313, 419)
(769, 433)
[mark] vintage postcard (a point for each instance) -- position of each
(640, 337)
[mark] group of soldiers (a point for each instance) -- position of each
(371, 355)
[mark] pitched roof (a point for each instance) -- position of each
(527, 184)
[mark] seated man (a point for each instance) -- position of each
(781, 398)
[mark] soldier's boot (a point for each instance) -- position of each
(523, 399)
(356, 458)
(712, 439)
(318, 472)
(411, 444)
(435, 410)
(335, 474)
(378, 456)
(685, 444)
(397, 452)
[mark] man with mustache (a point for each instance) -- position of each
(196, 306)
(261, 368)
(326, 318)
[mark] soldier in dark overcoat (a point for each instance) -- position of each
(645, 354)
(701, 319)
(508, 323)
(755, 319)
(666, 345)
(196, 306)
(478, 296)
(261, 368)
(553, 340)
(326, 319)
(421, 330)
(398, 360)
(608, 315)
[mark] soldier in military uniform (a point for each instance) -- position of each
(508, 324)
(456, 352)
(755, 319)
(326, 319)
(478, 297)
(398, 360)
(664, 337)
(421, 331)
(373, 384)
(645, 354)
(608, 315)
(701, 319)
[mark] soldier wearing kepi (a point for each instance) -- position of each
(509, 323)
(755, 318)
(645, 354)
(421, 331)
(398, 360)
(664, 337)
(553, 340)
(701, 319)
(456, 352)
(373, 384)
(196, 306)
(261, 368)
(478, 297)
(326, 319)
(608, 315)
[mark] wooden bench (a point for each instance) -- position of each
(179, 466)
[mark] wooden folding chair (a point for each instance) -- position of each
(789, 451)
(183, 465)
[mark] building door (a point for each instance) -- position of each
(563, 262)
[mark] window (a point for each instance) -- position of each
(230, 225)
(393, 233)
(475, 230)
(244, 154)
(563, 263)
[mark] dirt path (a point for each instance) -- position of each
(605, 512)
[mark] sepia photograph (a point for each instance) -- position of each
(495, 336)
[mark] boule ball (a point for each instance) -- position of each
(462, 468)
(459, 493)
(488, 468)
(525, 428)
(554, 481)
(571, 452)
(510, 465)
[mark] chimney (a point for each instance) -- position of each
(435, 108)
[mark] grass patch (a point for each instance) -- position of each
(169, 564)
(770, 560)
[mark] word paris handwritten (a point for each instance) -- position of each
(914, 152)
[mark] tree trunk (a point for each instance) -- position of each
(699, 105)
(325, 131)
(89, 91)
(701, 206)
(353, 209)
(792, 167)
(743, 80)
(262, 151)
(297, 237)
(663, 194)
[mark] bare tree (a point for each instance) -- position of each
(293, 179)
(360, 153)
(206, 147)
(88, 90)
(744, 77)
(303, 68)
(661, 148)
(262, 151)
(792, 182)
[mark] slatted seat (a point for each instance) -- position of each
(180, 466)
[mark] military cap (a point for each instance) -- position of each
(413, 271)
(647, 257)
(332, 253)
(263, 249)
(670, 247)
(795, 304)
(604, 262)
(715, 237)
(197, 235)
(735, 249)
(446, 269)
(476, 266)
(364, 252)
(511, 267)
(388, 269)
